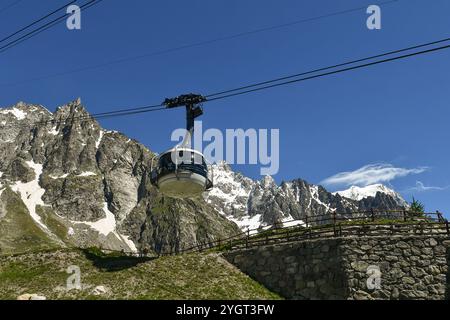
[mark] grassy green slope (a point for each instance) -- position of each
(191, 276)
(18, 231)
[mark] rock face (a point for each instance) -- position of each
(82, 185)
(253, 204)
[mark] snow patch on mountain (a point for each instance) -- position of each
(315, 196)
(31, 193)
(293, 223)
(87, 174)
(70, 232)
(59, 177)
(1, 185)
(99, 140)
(231, 189)
(128, 242)
(359, 193)
(53, 131)
(19, 114)
(108, 225)
(248, 223)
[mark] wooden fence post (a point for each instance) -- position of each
(247, 237)
(439, 215)
(334, 223)
(287, 235)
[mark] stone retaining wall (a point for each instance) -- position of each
(397, 267)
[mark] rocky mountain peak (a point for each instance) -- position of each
(222, 166)
(22, 111)
(261, 203)
(85, 186)
(72, 112)
(268, 182)
(359, 193)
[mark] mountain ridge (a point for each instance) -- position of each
(86, 186)
(358, 193)
(94, 184)
(254, 204)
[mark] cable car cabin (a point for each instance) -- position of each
(181, 173)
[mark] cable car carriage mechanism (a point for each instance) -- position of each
(182, 172)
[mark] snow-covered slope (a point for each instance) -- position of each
(230, 196)
(256, 204)
(231, 189)
(359, 193)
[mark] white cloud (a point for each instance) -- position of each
(371, 174)
(420, 187)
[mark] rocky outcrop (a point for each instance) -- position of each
(86, 186)
(253, 204)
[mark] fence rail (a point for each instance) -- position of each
(333, 224)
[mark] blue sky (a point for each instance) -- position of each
(391, 117)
